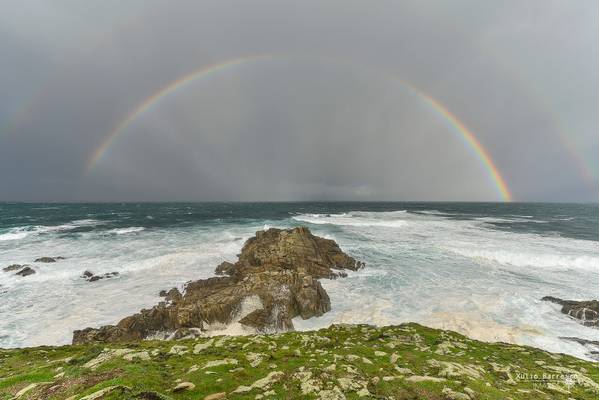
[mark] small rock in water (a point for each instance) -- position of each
(585, 312)
(87, 274)
(91, 277)
(48, 259)
(13, 267)
(26, 272)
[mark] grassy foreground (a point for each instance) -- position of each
(341, 362)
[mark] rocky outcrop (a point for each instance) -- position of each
(26, 271)
(91, 277)
(274, 280)
(49, 259)
(585, 312)
(14, 267)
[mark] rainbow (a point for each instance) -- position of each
(453, 121)
(161, 94)
(467, 136)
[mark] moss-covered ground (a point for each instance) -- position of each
(341, 362)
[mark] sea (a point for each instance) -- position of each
(480, 269)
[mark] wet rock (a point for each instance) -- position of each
(26, 271)
(592, 346)
(87, 274)
(91, 277)
(14, 267)
(48, 259)
(225, 268)
(277, 274)
(585, 312)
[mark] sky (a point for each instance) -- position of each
(299, 100)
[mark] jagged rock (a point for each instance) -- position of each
(14, 267)
(276, 277)
(49, 259)
(225, 268)
(91, 277)
(26, 271)
(585, 312)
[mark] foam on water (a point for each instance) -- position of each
(460, 275)
(123, 231)
(440, 268)
(22, 232)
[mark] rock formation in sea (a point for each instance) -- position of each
(91, 277)
(23, 270)
(274, 280)
(49, 259)
(585, 312)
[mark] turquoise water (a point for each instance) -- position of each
(479, 268)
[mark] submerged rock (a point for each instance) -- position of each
(585, 312)
(274, 280)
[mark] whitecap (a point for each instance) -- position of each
(123, 231)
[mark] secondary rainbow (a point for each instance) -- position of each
(467, 136)
(159, 95)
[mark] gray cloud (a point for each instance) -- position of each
(322, 119)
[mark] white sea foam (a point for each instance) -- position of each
(460, 274)
(22, 232)
(14, 235)
(527, 258)
(123, 231)
(359, 219)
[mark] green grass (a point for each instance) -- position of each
(302, 363)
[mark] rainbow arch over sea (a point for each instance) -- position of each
(442, 111)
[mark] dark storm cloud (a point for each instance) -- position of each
(321, 120)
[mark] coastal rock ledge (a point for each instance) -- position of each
(274, 280)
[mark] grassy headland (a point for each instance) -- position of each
(407, 361)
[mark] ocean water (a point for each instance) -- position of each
(477, 268)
